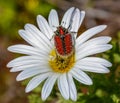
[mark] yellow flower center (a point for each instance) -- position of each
(61, 64)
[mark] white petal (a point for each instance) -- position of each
(47, 88)
(94, 41)
(43, 41)
(88, 63)
(72, 88)
(31, 72)
(77, 20)
(87, 51)
(93, 68)
(81, 76)
(53, 20)
(27, 37)
(25, 49)
(23, 59)
(89, 33)
(24, 67)
(96, 60)
(63, 86)
(67, 18)
(28, 62)
(35, 81)
(44, 27)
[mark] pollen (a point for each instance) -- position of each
(61, 64)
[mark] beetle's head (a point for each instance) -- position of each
(61, 31)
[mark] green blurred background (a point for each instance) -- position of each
(14, 14)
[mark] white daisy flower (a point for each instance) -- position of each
(56, 54)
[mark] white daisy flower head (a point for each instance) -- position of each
(57, 55)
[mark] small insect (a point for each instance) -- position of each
(64, 42)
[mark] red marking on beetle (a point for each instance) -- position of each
(63, 42)
(58, 45)
(68, 43)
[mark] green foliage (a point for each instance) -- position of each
(36, 7)
(34, 98)
(14, 14)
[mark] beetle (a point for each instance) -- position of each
(64, 42)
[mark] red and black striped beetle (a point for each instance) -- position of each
(64, 42)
